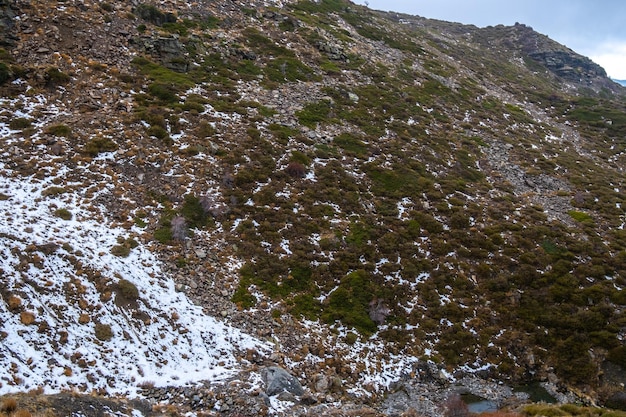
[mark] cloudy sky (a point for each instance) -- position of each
(594, 28)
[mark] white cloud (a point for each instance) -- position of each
(612, 57)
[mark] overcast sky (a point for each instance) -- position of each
(594, 28)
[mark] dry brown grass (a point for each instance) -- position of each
(27, 318)
(14, 302)
(9, 405)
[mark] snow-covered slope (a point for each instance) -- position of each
(62, 295)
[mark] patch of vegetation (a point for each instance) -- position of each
(63, 213)
(127, 289)
(103, 332)
(60, 130)
(20, 123)
(288, 68)
(567, 410)
(98, 145)
(55, 77)
(124, 247)
(5, 73)
(351, 144)
(314, 113)
(165, 80)
(350, 301)
(580, 216)
(163, 234)
(194, 213)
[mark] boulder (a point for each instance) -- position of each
(278, 380)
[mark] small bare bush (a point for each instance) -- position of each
(378, 311)
(296, 170)
(179, 228)
(212, 206)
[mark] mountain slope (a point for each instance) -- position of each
(371, 192)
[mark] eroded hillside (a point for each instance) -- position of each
(370, 200)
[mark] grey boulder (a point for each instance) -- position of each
(278, 380)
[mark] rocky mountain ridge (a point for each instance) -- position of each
(382, 204)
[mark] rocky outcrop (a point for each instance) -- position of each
(569, 65)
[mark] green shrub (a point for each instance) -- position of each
(314, 113)
(351, 144)
(103, 332)
(579, 216)
(194, 213)
(54, 77)
(243, 298)
(159, 133)
(120, 250)
(164, 92)
(127, 289)
(20, 123)
(543, 410)
(152, 14)
(5, 73)
(64, 214)
(163, 235)
(59, 130)
(618, 356)
(349, 303)
(289, 69)
(98, 145)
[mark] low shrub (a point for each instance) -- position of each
(5, 73)
(120, 250)
(59, 130)
(9, 405)
(20, 123)
(98, 145)
(314, 113)
(163, 235)
(296, 170)
(127, 289)
(63, 213)
(55, 77)
(103, 332)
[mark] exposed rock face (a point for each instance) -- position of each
(278, 380)
(168, 50)
(561, 61)
(569, 65)
(7, 15)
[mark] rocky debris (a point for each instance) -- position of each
(278, 380)
(333, 51)
(543, 189)
(427, 390)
